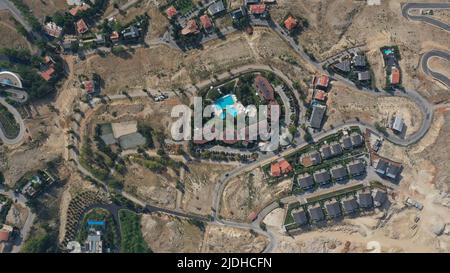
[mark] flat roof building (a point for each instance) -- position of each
(264, 88)
(346, 142)
(305, 181)
(299, 216)
(216, 8)
(316, 214)
(333, 208)
(343, 66)
(349, 205)
(363, 76)
(317, 115)
(365, 200)
(356, 168)
(338, 172)
(336, 149)
(357, 139)
(398, 124)
(326, 152)
(379, 197)
(360, 61)
(322, 177)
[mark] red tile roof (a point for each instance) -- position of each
(320, 95)
(81, 26)
(323, 81)
(190, 28)
(88, 86)
(47, 74)
(4, 234)
(114, 36)
(285, 166)
(264, 88)
(275, 169)
(395, 76)
(206, 21)
(74, 11)
(290, 23)
(257, 9)
(171, 11)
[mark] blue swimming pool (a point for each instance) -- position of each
(226, 102)
(96, 223)
(388, 51)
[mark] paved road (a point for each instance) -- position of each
(406, 8)
(5, 4)
(19, 120)
(427, 70)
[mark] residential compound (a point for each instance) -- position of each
(94, 96)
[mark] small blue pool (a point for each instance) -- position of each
(96, 223)
(388, 51)
(226, 103)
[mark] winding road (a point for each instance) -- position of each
(407, 7)
(19, 120)
(427, 70)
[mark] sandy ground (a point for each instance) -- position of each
(42, 8)
(17, 215)
(10, 37)
(249, 193)
(156, 188)
(200, 181)
(336, 25)
(44, 142)
(222, 239)
(440, 65)
(348, 104)
(164, 233)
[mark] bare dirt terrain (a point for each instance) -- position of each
(245, 195)
(165, 233)
(17, 215)
(10, 37)
(350, 104)
(42, 8)
(223, 239)
(200, 180)
(44, 142)
(145, 68)
(158, 22)
(337, 25)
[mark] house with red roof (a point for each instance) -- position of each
(114, 37)
(395, 75)
(258, 9)
(89, 87)
(75, 10)
(81, 26)
(280, 167)
(290, 23)
(206, 22)
(285, 167)
(322, 82)
(171, 11)
(275, 170)
(5, 233)
(190, 28)
(47, 74)
(320, 95)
